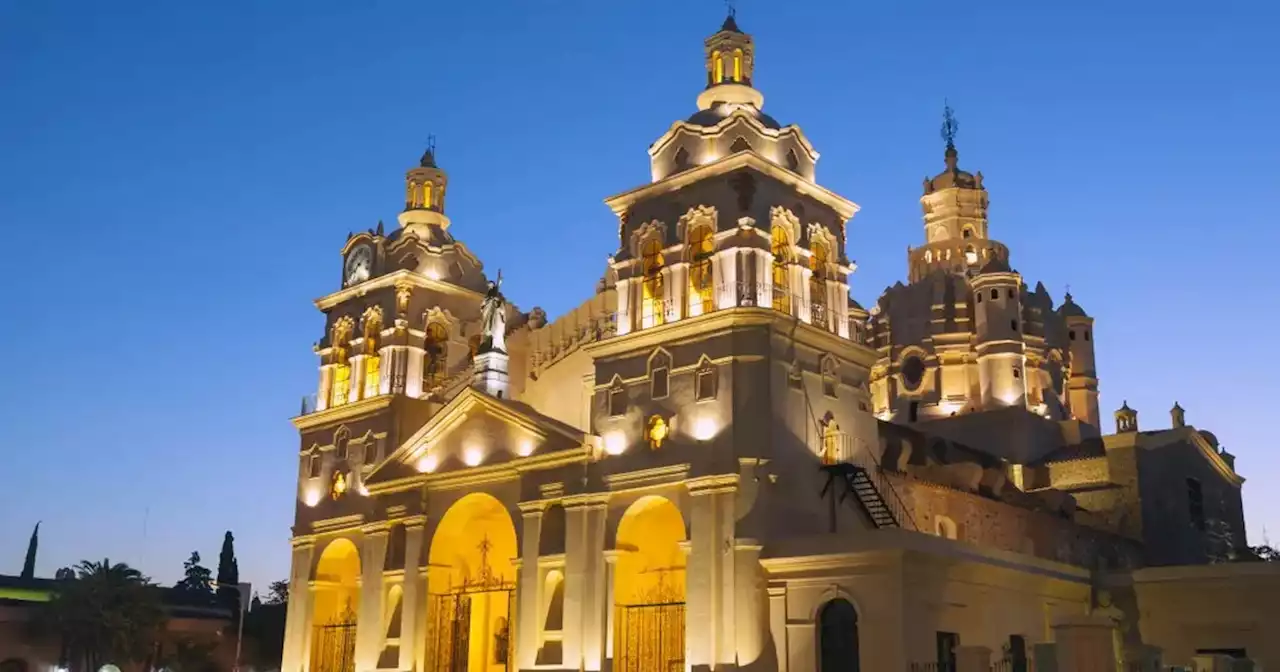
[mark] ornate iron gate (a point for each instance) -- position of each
(649, 637)
(334, 649)
(449, 630)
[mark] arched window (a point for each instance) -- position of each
(682, 159)
(717, 68)
(410, 193)
(341, 442)
(830, 376)
(659, 375)
(838, 637)
(780, 245)
(737, 65)
(652, 311)
(436, 356)
(702, 248)
(793, 161)
(340, 386)
(818, 259)
(372, 363)
(426, 194)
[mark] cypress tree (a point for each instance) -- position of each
(229, 574)
(29, 566)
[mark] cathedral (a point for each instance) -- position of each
(720, 460)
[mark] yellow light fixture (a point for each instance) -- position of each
(472, 456)
(705, 428)
(428, 463)
(525, 449)
(658, 431)
(615, 442)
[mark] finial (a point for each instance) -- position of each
(429, 156)
(733, 11)
(949, 125)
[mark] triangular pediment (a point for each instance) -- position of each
(477, 432)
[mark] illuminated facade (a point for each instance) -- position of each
(687, 471)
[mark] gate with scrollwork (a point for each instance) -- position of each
(334, 648)
(449, 630)
(649, 637)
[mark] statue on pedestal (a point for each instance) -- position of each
(493, 318)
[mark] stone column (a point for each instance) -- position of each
(750, 621)
(593, 631)
(623, 294)
(611, 566)
(298, 617)
(583, 580)
(411, 599)
(679, 292)
(725, 272)
(413, 357)
(529, 586)
(356, 391)
(710, 585)
(323, 392)
(800, 282)
(1085, 644)
(841, 309)
(778, 623)
(369, 625)
(973, 659)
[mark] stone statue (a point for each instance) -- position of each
(493, 318)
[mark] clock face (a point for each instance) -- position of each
(359, 264)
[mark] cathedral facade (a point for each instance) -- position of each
(719, 459)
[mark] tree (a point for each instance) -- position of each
(278, 592)
(197, 580)
(104, 613)
(229, 574)
(29, 566)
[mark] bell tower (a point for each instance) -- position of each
(730, 55)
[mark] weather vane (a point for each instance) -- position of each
(431, 143)
(733, 10)
(949, 125)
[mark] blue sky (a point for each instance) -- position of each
(176, 179)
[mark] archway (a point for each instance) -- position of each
(472, 587)
(649, 588)
(838, 637)
(336, 599)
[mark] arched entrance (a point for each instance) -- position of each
(649, 589)
(333, 616)
(471, 585)
(838, 637)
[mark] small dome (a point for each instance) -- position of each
(712, 116)
(854, 305)
(1208, 436)
(730, 24)
(1069, 308)
(953, 176)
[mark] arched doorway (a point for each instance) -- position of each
(471, 586)
(649, 588)
(838, 637)
(333, 616)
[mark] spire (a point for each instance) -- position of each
(730, 21)
(952, 176)
(29, 565)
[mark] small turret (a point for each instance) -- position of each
(1178, 415)
(1126, 419)
(730, 64)
(424, 192)
(1082, 386)
(997, 309)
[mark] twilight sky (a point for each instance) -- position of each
(176, 179)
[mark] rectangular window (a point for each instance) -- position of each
(829, 386)
(947, 643)
(370, 452)
(658, 383)
(1195, 503)
(1016, 373)
(705, 384)
(913, 411)
(617, 401)
(1013, 324)
(1071, 334)
(313, 467)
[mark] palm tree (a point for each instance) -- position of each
(107, 613)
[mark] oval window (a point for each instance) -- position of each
(912, 372)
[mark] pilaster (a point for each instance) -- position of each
(725, 272)
(369, 625)
(623, 297)
(750, 623)
(392, 371)
(356, 391)
(611, 567)
(778, 623)
(323, 393)
(679, 291)
(800, 287)
(710, 637)
(760, 286)
(414, 357)
(412, 598)
(583, 582)
(298, 616)
(529, 586)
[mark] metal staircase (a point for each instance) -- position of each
(854, 480)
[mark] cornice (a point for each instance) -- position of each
(343, 412)
(844, 207)
(738, 115)
(664, 475)
(707, 485)
(339, 523)
(471, 476)
(390, 280)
